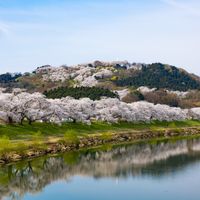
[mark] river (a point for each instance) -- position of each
(143, 171)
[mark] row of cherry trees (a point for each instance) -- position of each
(19, 106)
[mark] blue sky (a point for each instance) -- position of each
(56, 32)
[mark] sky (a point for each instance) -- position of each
(56, 32)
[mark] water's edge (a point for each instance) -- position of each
(98, 140)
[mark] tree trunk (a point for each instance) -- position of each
(10, 121)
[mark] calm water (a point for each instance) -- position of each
(162, 171)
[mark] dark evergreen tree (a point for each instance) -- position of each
(93, 93)
(8, 77)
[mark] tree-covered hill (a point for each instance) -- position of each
(93, 93)
(161, 76)
(8, 77)
(110, 75)
(9, 80)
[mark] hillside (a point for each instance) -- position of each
(161, 76)
(98, 79)
(118, 74)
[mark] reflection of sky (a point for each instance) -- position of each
(182, 186)
(37, 32)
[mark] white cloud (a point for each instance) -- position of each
(4, 30)
(192, 8)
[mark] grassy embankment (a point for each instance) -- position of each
(19, 138)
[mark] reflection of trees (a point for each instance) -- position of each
(124, 161)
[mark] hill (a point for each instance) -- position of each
(101, 75)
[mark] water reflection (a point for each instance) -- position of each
(156, 160)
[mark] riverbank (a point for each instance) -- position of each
(18, 142)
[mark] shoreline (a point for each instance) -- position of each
(61, 145)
